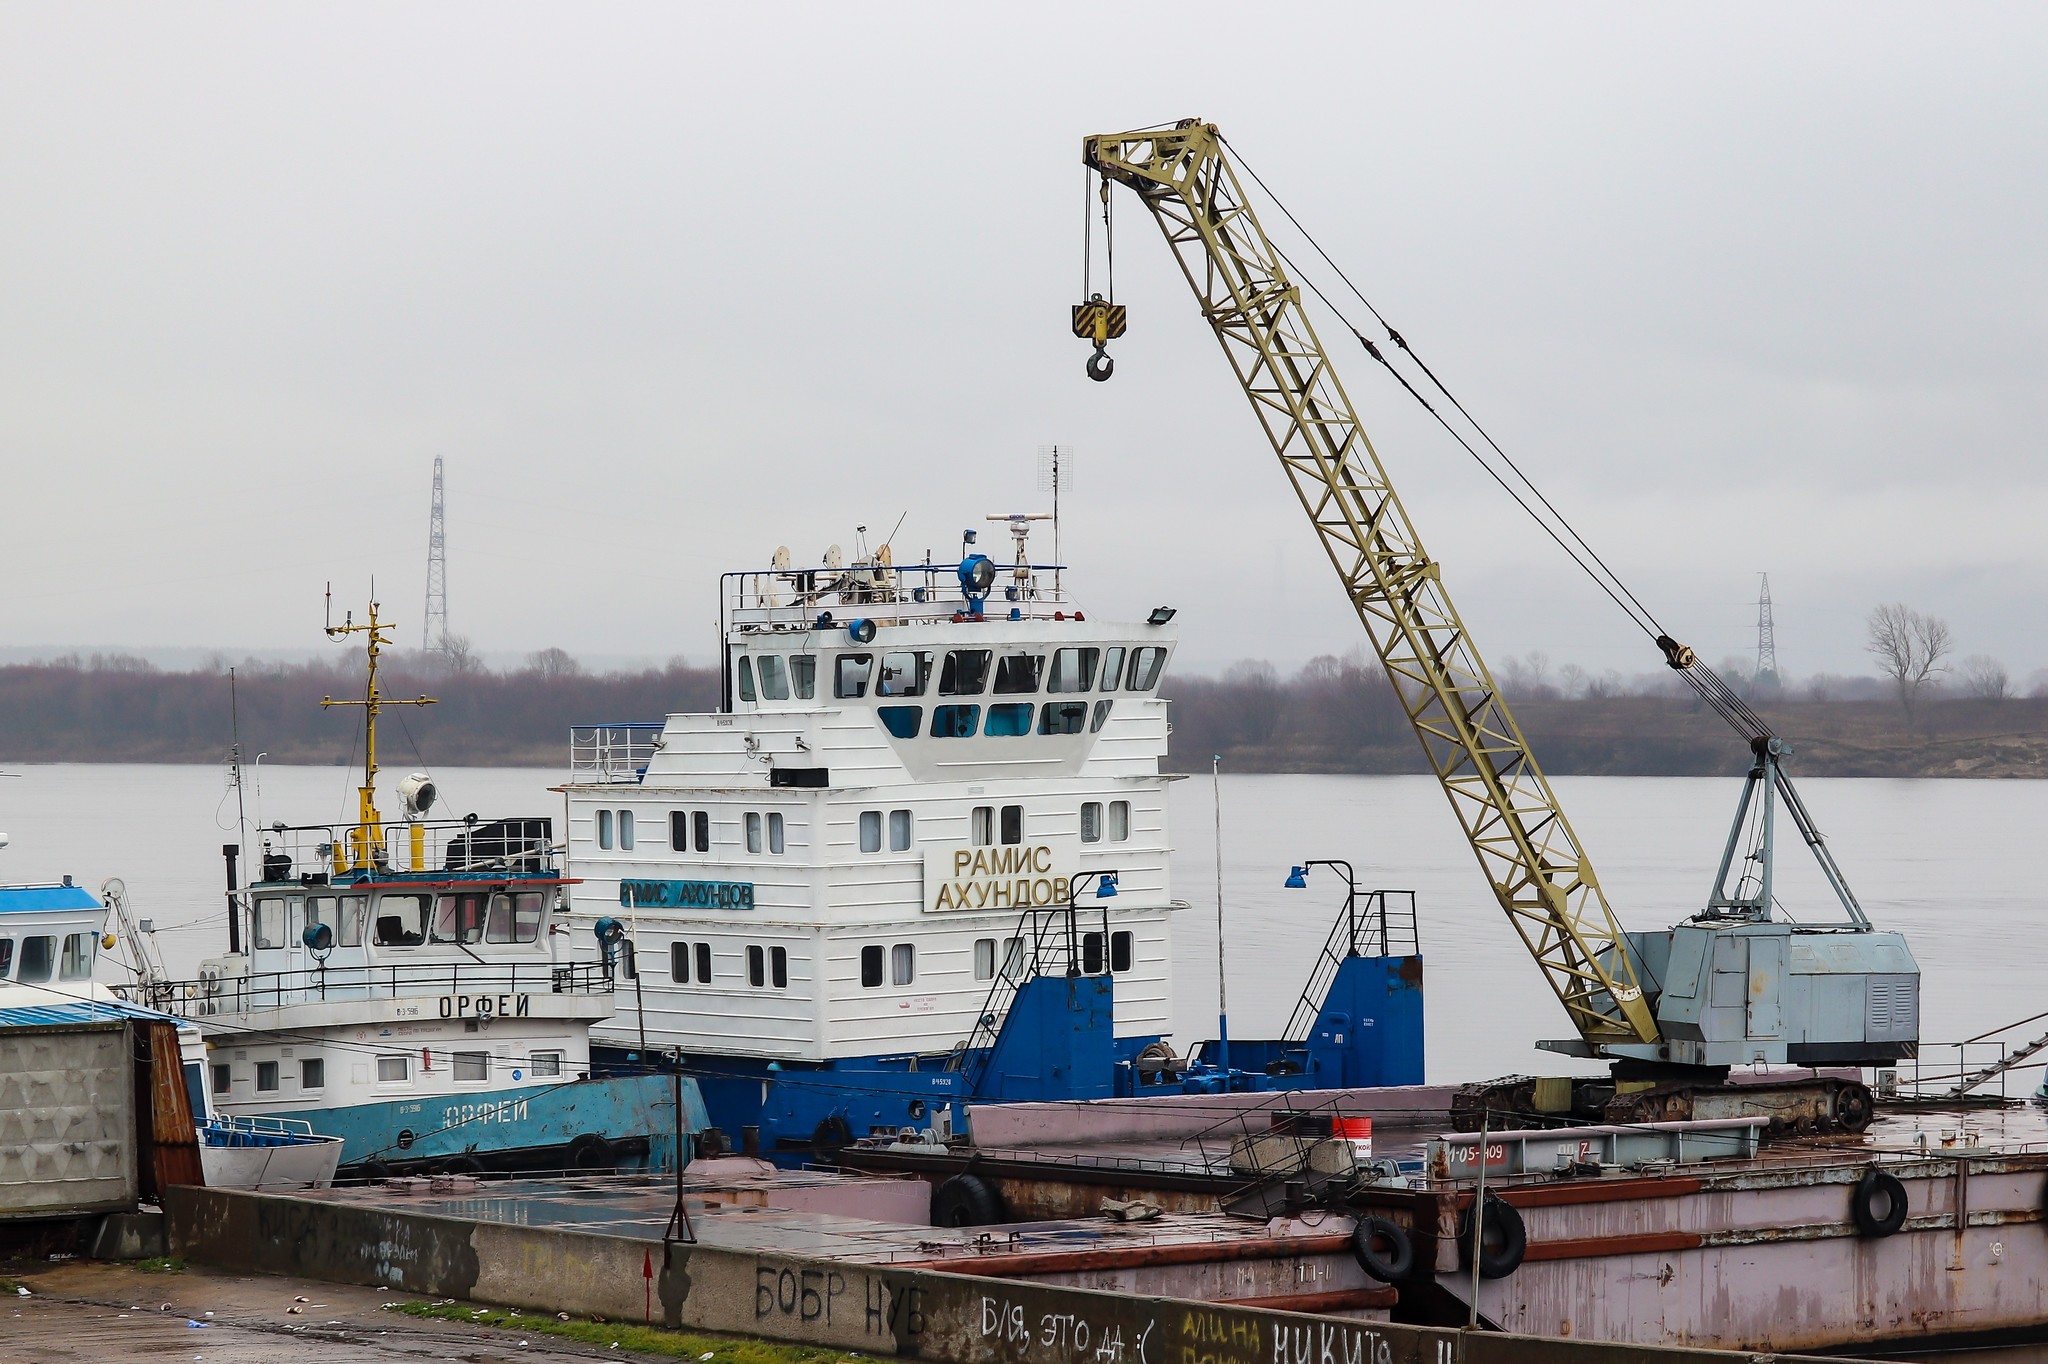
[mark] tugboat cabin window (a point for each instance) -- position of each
(904, 674)
(459, 918)
(1120, 951)
(870, 967)
(703, 963)
(625, 828)
(472, 1067)
(1119, 820)
(393, 1070)
(270, 925)
(870, 831)
(515, 917)
(545, 1063)
(354, 910)
(753, 832)
(1018, 674)
(1091, 821)
(77, 962)
(757, 966)
(223, 1077)
(775, 838)
(853, 675)
(803, 676)
(700, 829)
(6, 956)
(953, 722)
(1112, 668)
(984, 958)
(604, 828)
(778, 967)
(1008, 719)
(900, 829)
(401, 920)
(903, 722)
(343, 918)
(38, 958)
(1102, 709)
(266, 1077)
(1063, 717)
(981, 826)
(774, 678)
(746, 678)
(313, 1073)
(1072, 670)
(964, 673)
(1145, 666)
(1013, 824)
(903, 963)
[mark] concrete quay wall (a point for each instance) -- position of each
(907, 1313)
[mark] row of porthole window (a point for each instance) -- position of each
(963, 672)
(767, 967)
(39, 958)
(1121, 947)
(690, 831)
(468, 1067)
(902, 830)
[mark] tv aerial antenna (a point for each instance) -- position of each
(1056, 474)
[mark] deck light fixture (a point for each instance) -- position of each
(1160, 615)
(1105, 886)
(1297, 879)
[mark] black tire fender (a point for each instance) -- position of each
(1874, 1192)
(966, 1201)
(591, 1152)
(1383, 1249)
(1503, 1243)
(465, 1164)
(831, 1136)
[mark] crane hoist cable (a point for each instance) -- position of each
(1711, 688)
(1096, 318)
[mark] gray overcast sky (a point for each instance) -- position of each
(1746, 287)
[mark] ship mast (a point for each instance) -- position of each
(365, 848)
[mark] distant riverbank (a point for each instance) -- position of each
(1339, 718)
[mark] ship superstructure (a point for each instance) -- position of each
(919, 855)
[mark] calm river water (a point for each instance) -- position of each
(1949, 862)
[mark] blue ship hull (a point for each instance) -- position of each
(620, 1121)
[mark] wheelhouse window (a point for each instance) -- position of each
(803, 676)
(1145, 666)
(401, 920)
(38, 959)
(604, 828)
(459, 918)
(901, 829)
(1013, 824)
(1072, 670)
(515, 917)
(327, 910)
(1018, 674)
(903, 722)
(904, 674)
(852, 680)
(774, 678)
(355, 912)
(955, 722)
(746, 671)
(1112, 668)
(472, 1067)
(1063, 717)
(1102, 709)
(964, 673)
(270, 925)
(870, 831)
(77, 960)
(1008, 719)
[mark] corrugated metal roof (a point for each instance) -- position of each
(75, 1011)
(38, 899)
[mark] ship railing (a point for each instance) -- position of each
(913, 592)
(613, 754)
(461, 990)
(1048, 942)
(465, 847)
(1377, 923)
(1983, 1067)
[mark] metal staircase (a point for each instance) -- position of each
(1048, 944)
(1380, 923)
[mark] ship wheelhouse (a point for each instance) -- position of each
(909, 802)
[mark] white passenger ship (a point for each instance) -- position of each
(405, 985)
(919, 855)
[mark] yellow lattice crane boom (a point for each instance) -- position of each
(1509, 812)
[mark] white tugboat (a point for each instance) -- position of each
(405, 986)
(920, 855)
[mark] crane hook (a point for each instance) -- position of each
(1100, 366)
